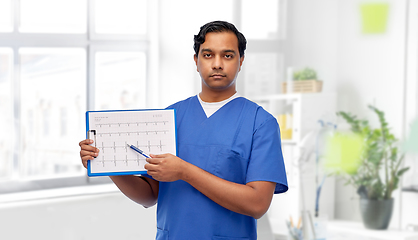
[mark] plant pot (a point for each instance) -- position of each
(304, 86)
(376, 214)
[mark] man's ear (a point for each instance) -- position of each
(195, 60)
(241, 60)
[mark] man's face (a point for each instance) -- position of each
(218, 61)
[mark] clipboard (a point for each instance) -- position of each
(151, 130)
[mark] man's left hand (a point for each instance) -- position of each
(165, 167)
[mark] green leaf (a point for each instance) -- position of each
(402, 171)
(305, 74)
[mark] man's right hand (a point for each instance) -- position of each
(87, 152)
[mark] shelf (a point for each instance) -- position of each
(289, 142)
(291, 96)
(276, 97)
(410, 189)
(338, 229)
(302, 111)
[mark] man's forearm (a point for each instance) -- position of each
(141, 190)
(252, 199)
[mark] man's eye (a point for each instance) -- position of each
(207, 55)
(228, 56)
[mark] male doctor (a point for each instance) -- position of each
(229, 161)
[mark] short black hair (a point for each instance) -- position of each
(219, 26)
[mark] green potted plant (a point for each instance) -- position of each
(305, 74)
(304, 81)
(379, 169)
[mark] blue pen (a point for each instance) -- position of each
(138, 150)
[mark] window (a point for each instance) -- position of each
(56, 63)
(266, 35)
(116, 91)
(6, 16)
(58, 17)
(52, 85)
(6, 109)
(268, 25)
(128, 17)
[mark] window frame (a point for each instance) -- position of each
(277, 45)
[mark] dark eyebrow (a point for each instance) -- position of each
(205, 50)
(210, 50)
(230, 51)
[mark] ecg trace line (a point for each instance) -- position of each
(148, 146)
(119, 160)
(129, 123)
(148, 132)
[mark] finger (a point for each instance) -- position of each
(85, 164)
(151, 167)
(89, 148)
(85, 142)
(153, 160)
(159, 155)
(85, 161)
(88, 153)
(86, 158)
(152, 172)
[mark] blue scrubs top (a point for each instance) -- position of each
(240, 143)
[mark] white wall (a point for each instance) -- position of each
(362, 68)
(371, 67)
(370, 71)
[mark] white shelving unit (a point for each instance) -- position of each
(307, 110)
(345, 230)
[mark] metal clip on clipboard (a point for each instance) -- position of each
(91, 134)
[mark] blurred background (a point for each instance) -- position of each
(59, 59)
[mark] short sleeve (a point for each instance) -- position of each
(266, 159)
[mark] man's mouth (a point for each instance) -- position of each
(217, 75)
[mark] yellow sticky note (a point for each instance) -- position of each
(374, 17)
(343, 152)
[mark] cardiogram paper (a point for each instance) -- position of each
(152, 131)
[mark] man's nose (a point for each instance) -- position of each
(217, 63)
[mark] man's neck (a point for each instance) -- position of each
(216, 96)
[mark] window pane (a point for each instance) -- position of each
(262, 73)
(121, 16)
(51, 16)
(53, 103)
(120, 80)
(224, 13)
(6, 24)
(6, 117)
(260, 19)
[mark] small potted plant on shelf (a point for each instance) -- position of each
(304, 81)
(379, 169)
